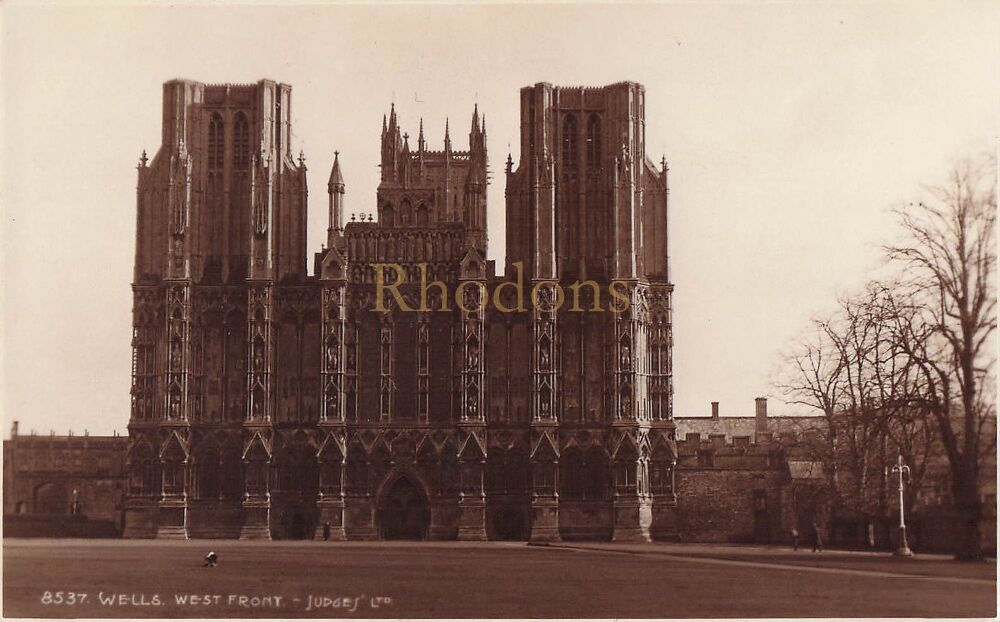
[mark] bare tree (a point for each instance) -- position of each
(812, 376)
(851, 370)
(946, 324)
(906, 429)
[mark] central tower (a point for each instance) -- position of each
(424, 188)
(405, 387)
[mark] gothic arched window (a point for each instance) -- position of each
(569, 142)
(173, 476)
(51, 498)
(216, 140)
(626, 470)
(329, 477)
(660, 472)
(406, 213)
(388, 216)
(241, 141)
(141, 471)
(593, 140)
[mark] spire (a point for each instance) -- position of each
(447, 137)
(384, 129)
(406, 143)
(335, 188)
(392, 115)
(482, 135)
(420, 138)
(336, 178)
(475, 118)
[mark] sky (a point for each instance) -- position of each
(790, 130)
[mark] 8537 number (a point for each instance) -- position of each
(63, 598)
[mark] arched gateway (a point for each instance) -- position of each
(403, 512)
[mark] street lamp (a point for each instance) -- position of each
(904, 548)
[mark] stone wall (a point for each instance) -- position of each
(51, 479)
(730, 489)
(730, 505)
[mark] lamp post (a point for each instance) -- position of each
(904, 549)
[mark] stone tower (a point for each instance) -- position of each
(221, 223)
(587, 204)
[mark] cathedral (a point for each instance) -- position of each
(274, 402)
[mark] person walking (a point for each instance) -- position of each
(795, 538)
(817, 538)
(326, 530)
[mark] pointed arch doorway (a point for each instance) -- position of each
(404, 513)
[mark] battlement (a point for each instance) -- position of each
(586, 88)
(369, 228)
(226, 85)
(738, 453)
(435, 153)
(691, 443)
(69, 440)
(598, 89)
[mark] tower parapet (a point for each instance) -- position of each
(222, 199)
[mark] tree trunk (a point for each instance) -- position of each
(968, 512)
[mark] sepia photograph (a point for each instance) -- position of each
(499, 310)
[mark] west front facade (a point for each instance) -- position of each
(499, 402)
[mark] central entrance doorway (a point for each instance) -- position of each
(404, 513)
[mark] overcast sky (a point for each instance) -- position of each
(789, 129)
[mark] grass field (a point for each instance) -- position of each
(76, 578)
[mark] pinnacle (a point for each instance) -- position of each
(336, 177)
